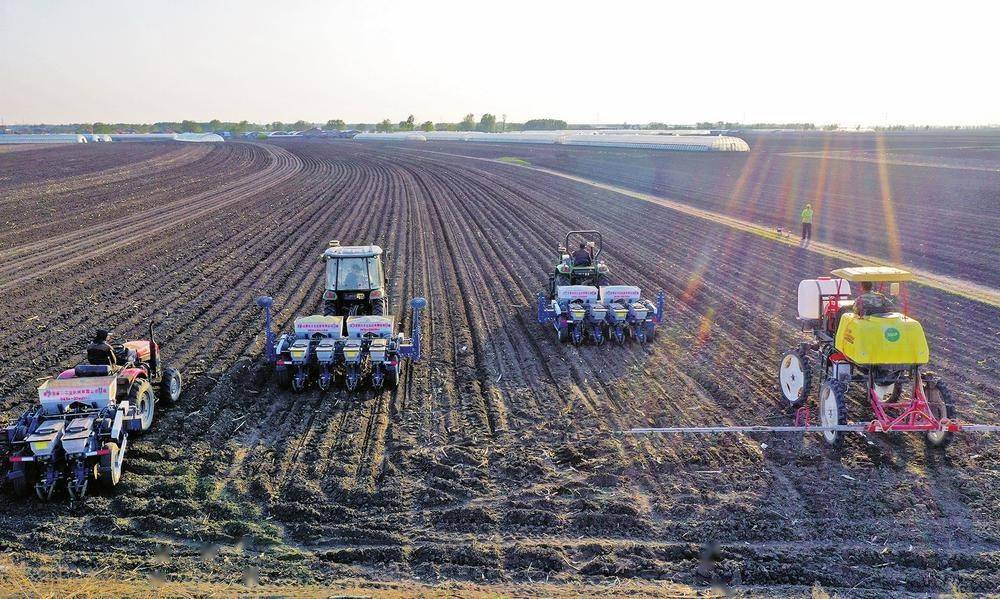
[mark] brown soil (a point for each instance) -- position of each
(500, 459)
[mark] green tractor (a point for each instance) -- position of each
(579, 264)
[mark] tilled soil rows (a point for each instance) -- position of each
(500, 456)
(926, 200)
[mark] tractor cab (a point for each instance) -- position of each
(355, 280)
(876, 330)
(579, 262)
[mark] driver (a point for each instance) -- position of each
(355, 277)
(872, 302)
(100, 351)
(582, 256)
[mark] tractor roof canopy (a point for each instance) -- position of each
(872, 273)
(353, 251)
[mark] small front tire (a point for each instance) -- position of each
(109, 470)
(832, 409)
(144, 400)
(795, 377)
(170, 386)
(942, 406)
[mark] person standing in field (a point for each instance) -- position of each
(807, 223)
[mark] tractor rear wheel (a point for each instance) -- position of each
(170, 386)
(20, 485)
(832, 409)
(378, 308)
(284, 377)
(144, 400)
(392, 377)
(109, 470)
(795, 377)
(329, 308)
(942, 406)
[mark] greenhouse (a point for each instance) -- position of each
(43, 138)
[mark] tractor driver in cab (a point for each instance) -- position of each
(582, 256)
(872, 302)
(101, 352)
(355, 276)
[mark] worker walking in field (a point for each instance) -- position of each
(807, 223)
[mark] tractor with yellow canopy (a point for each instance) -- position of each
(863, 335)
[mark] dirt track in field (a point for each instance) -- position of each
(498, 458)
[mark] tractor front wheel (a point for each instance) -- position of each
(170, 386)
(832, 409)
(942, 406)
(795, 377)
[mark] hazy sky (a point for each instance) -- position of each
(606, 61)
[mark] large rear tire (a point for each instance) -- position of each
(21, 485)
(942, 405)
(284, 377)
(795, 377)
(378, 308)
(144, 400)
(170, 386)
(833, 409)
(329, 308)
(392, 377)
(109, 470)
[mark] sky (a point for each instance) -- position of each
(846, 62)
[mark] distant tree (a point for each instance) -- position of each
(544, 125)
(335, 124)
(445, 126)
(83, 129)
(191, 127)
(103, 128)
(426, 126)
(831, 127)
(384, 127)
(215, 125)
(487, 124)
(276, 126)
(408, 124)
(468, 123)
(240, 128)
(301, 125)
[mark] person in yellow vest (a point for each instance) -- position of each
(807, 223)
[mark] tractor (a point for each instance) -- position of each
(80, 429)
(355, 340)
(579, 265)
(866, 338)
(582, 303)
(355, 281)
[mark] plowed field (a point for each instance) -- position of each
(499, 458)
(928, 201)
